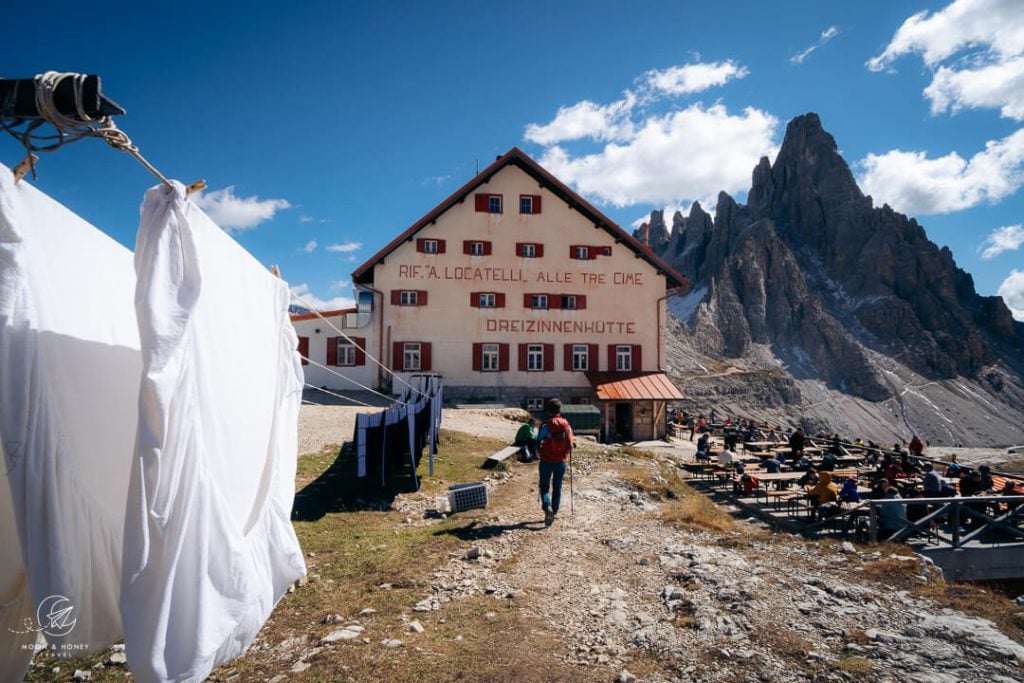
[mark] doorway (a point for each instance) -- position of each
(624, 421)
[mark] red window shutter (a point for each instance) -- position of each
(396, 297)
(481, 202)
(519, 248)
(567, 357)
(360, 343)
(440, 246)
(487, 248)
(637, 358)
(549, 357)
(397, 359)
(478, 357)
(611, 358)
(467, 247)
(499, 300)
(425, 360)
(523, 363)
(539, 250)
(591, 252)
(554, 301)
(503, 357)
(419, 244)
(536, 203)
(593, 362)
(474, 299)
(304, 349)
(572, 250)
(332, 351)
(526, 300)
(581, 301)
(421, 297)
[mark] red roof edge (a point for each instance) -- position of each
(516, 155)
(326, 314)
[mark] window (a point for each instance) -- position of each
(487, 300)
(529, 203)
(581, 253)
(304, 350)
(607, 251)
(408, 298)
(623, 357)
(535, 404)
(529, 250)
(580, 357)
(569, 301)
(489, 358)
(538, 300)
(428, 246)
(535, 357)
(346, 352)
(488, 203)
(476, 248)
(411, 356)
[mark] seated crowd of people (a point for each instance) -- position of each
(903, 472)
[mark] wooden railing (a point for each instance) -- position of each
(949, 514)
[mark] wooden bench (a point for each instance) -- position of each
(501, 456)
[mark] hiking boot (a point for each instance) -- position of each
(549, 517)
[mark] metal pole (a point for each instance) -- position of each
(572, 495)
(873, 523)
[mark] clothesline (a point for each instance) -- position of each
(331, 393)
(349, 379)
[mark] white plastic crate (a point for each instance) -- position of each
(467, 496)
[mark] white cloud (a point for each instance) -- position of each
(1012, 291)
(994, 86)
(981, 43)
(310, 246)
(826, 35)
(303, 296)
(238, 213)
(344, 247)
(914, 184)
(683, 155)
(306, 218)
(692, 78)
(586, 120)
(1006, 238)
(436, 180)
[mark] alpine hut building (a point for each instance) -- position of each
(513, 289)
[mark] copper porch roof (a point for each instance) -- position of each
(647, 386)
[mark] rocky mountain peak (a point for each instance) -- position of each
(809, 268)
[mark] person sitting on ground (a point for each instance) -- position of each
(703, 447)
(953, 468)
(916, 446)
(526, 438)
(849, 493)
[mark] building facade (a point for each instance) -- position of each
(514, 289)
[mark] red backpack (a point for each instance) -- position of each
(557, 444)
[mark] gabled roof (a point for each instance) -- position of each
(517, 157)
(639, 386)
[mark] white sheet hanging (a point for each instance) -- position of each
(209, 545)
(69, 379)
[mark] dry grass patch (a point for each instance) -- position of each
(977, 600)
(681, 506)
(783, 642)
(856, 666)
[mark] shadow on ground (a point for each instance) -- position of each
(475, 531)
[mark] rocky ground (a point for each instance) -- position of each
(623, 591)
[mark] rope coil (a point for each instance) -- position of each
(69, 129)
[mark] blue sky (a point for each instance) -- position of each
(327, 128)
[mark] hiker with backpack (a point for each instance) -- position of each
(556, 442)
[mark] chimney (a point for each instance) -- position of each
(646, 232)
